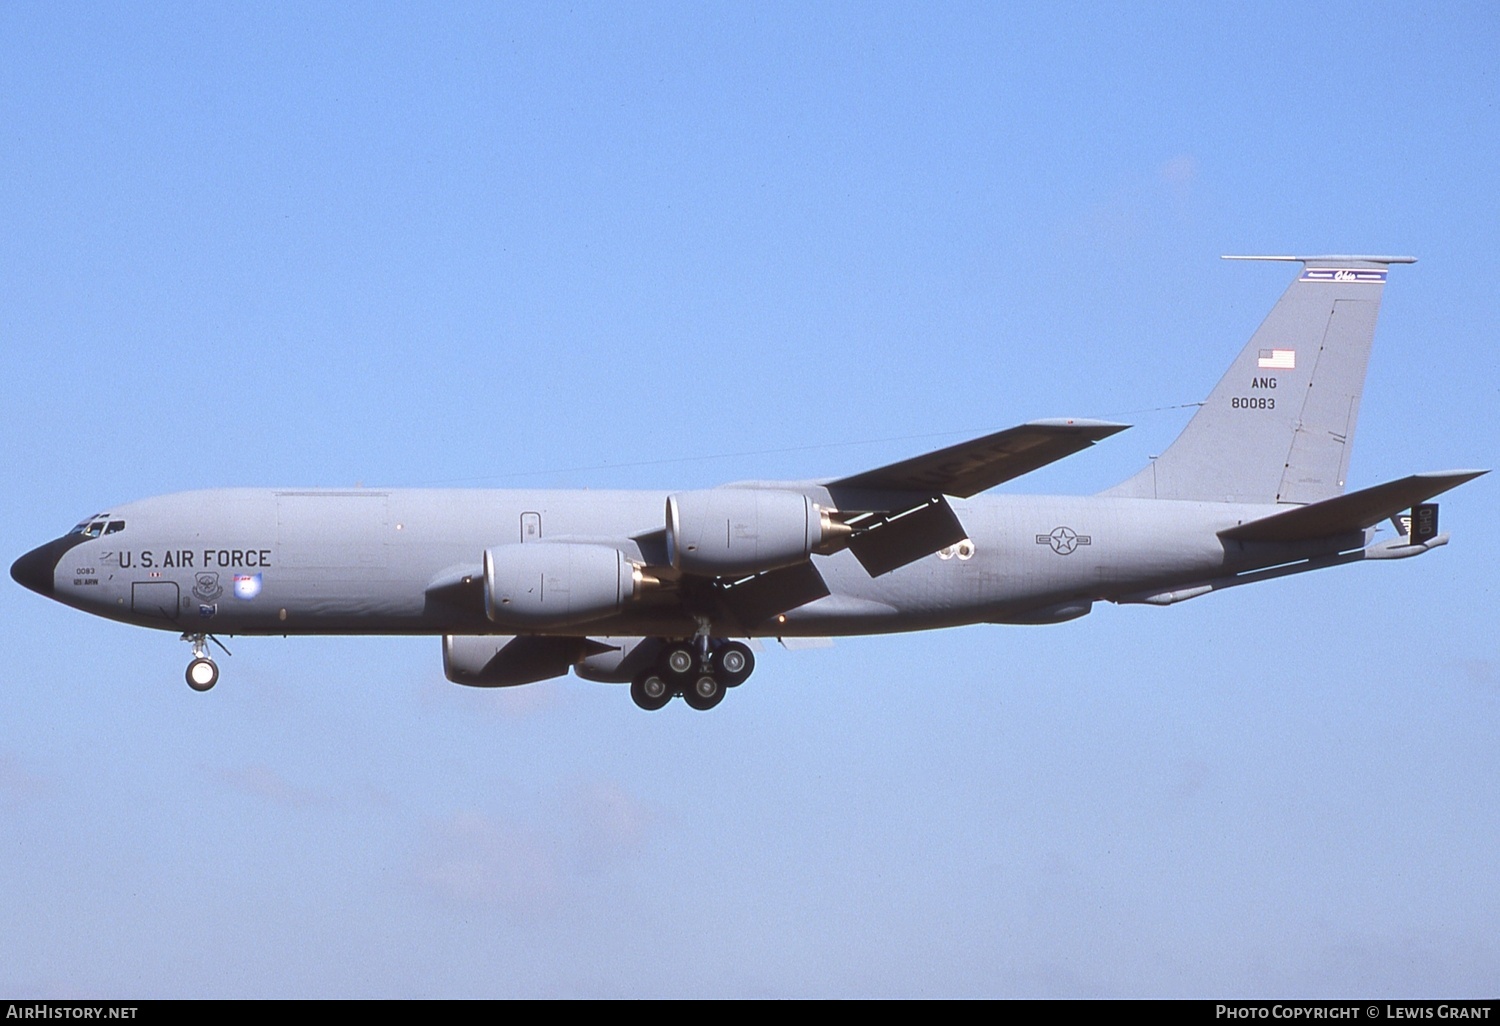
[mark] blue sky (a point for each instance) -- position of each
(671, 246)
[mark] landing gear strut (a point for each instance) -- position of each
(202, 672)
(701, 670)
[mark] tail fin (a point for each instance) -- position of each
(1279, 427)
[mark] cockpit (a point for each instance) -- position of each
(97, 525)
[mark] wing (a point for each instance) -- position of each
(900, 512)
(969, 468)
(744, 553)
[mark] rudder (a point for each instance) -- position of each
(1279, 426)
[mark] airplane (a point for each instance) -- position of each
(662, 590)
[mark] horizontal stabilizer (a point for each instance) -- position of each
(1338, 259)
(968, 468)
(1353, 512)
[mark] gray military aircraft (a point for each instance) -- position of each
(654, 588)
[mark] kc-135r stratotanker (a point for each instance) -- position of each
(656, 588)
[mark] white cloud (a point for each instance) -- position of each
(1181, 170)
(611, 822)
(17, 784)
(526, 863)
(476, 858)
(260, 781)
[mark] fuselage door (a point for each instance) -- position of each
(156, 599)
(531, 527)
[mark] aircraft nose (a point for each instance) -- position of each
(34, 570)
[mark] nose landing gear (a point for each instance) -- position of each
(202, 672)
(701, 673)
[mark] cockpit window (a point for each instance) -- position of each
(98, 524)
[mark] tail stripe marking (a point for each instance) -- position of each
(1360, 275)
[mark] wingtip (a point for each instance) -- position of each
(1106, 427)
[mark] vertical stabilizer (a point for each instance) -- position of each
(1279, 426)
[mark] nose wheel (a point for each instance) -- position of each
(202, 673)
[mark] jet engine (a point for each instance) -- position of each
(738, 531)
(503, 661)
(556, 584)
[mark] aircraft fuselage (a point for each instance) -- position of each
(252, 561)
(655, 588)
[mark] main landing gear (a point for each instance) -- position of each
(700, 670)
(202, 672)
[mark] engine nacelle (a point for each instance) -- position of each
(738, 531)
(503, 661)
(556, 584)
(620, 659)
